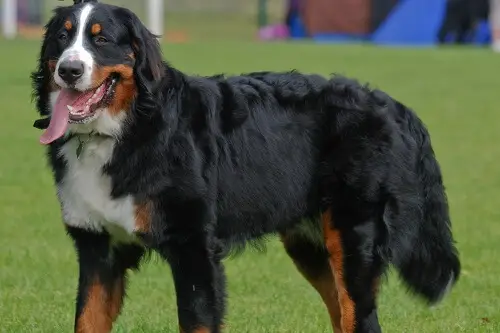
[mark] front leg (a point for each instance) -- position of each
(198, 273)
(199, 284)
(102, 279)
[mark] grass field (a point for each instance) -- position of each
(455, 91)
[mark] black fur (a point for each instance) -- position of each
(77, 2)
(224, 161)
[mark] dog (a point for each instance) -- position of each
(148, 159)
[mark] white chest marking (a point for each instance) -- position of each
(84, 192)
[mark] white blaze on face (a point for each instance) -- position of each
(76, 109)
(77, 51)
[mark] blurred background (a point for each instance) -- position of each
(435, 56)
(422, 22)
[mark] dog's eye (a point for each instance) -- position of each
(100, 40)
(63, 37)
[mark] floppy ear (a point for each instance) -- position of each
(149, 61)
(41, 77)
(149, 67)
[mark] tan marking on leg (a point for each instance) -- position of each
(101, 309)
(333, 243)
(326, 288)
(116, 298)
(328, 291)
(202, 330)
(143, 213)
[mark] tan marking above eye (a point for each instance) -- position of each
(68, 25)
(96, 29)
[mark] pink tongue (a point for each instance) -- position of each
(60, 114)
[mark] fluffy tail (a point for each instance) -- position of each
(432, 266)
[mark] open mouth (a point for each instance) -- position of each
(82, 106)
(76, 107)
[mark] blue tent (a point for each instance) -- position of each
(410, 22)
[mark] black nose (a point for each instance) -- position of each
(71, 70)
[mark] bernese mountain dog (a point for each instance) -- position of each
(148, 159)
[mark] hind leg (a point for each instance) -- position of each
(356, 267)
(311, 259)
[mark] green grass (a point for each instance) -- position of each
(455, 91)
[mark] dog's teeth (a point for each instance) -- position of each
(87, 108)
(70, 108)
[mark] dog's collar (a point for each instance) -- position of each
(42, 123)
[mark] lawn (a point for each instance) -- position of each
(456, 93)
